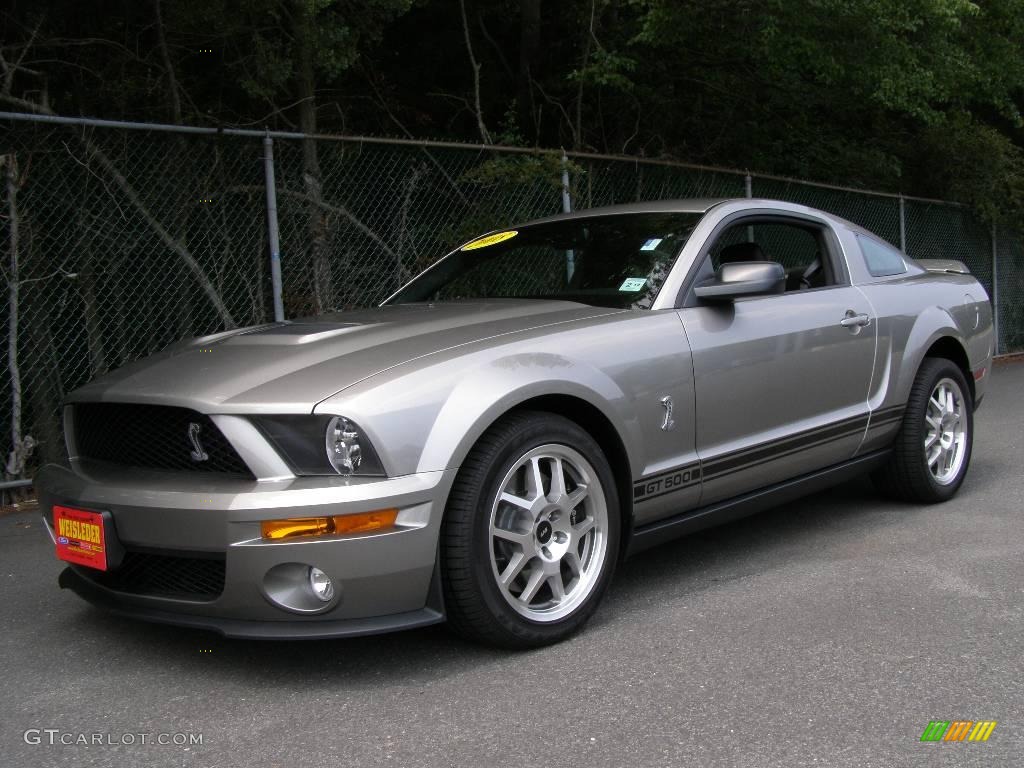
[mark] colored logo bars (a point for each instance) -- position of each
(958, 730)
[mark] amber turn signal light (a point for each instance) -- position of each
(362, 522)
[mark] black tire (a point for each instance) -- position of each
(476, 606)
(906, 475)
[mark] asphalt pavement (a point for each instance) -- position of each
(827, 632)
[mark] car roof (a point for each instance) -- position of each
(695, 205)
(690, 205)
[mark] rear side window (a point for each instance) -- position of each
(882, 260)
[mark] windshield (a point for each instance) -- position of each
(618, 260)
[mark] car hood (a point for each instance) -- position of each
(289, 367)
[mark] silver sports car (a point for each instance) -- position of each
(485, 446)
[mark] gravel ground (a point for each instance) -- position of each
(828, 632)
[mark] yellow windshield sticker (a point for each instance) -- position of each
(483, 242)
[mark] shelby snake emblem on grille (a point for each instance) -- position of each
(198, 454)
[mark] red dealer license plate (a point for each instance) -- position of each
(80, 537)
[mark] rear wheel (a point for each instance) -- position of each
(933, 449)
(530, 534)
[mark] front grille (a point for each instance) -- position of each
(199, 578)
(153, 437)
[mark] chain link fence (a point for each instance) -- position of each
(119, 239)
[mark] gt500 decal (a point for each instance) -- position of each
(666, 482)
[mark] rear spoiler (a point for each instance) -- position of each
(951, 266)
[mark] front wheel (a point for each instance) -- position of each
(933, 448)
(531, 533)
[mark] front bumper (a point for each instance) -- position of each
(383, 581)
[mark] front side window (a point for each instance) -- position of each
(799, 247)
(619, 260)
(882, 260)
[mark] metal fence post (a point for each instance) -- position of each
(566, 200)
(995, 290)
(272, 231)
(903, 224)
(748, 188)
(570, 257)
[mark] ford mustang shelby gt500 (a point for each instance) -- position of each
(488, 443)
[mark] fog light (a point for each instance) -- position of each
(321, 584)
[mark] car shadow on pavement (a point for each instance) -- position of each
(743, 544)
(848, 520)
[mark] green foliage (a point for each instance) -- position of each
(604, 68)
(879, 92)
(507, 189)
(270, 70)
(924, 96)
(509, 133)
(339, 33)
(511, 171)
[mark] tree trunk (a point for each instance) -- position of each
(87, 272)
(529, 43)
(90, 309)
(46, 393)
(183, 179)
(174, 98)
(14, 467)
(176, 246)
(485, 136)
(323, 281)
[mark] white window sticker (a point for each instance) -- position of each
(633, 284)
(651, 244)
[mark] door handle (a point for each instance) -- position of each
(853, 320)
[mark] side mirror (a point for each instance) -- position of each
(744, 278)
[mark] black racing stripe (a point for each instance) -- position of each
(890, 417)
(878, 423)
(753, 456)
(780, 453)
(807, 434)
(756, 454)
(890, 411)
(887, 416)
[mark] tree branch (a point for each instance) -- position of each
(165, 57)
(338, 209)
(484, 135)
(20, 447)
(578, 131)
(174, 245)
(10, 69)
(129, 192)
(494, 45)
(382, 104)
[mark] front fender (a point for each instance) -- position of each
(480, 399)
(428, 412)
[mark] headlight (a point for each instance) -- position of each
(344, 446)
(321, 445)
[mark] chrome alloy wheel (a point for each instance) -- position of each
(945, 442)
(548, 533)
